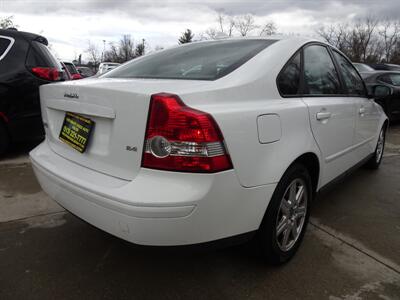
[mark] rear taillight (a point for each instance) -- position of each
(50, 74)
(180, 138)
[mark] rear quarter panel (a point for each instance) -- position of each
(236, 109)
(250, 91)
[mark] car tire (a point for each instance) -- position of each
(4, 139)
(271, 239)
(376, 159)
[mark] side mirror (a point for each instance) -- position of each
(379, 91)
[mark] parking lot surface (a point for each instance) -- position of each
(351, 249)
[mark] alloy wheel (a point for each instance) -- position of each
(380, 146)
(291, 214)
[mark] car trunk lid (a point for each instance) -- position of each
(119, 109)
(116, 141)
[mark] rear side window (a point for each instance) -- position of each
(393, 79)
(289, 78)
(40, 56)
(351, 78)
(5, 45)
(197, 61)
(320, 76)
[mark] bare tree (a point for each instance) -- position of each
(140, 48)
(94, 54)
(245, 24)
(359, 40)
(268, 28)
(362, 36)
(112, 54)
(209, 34)
(390, 33)
(226, 24)
(121, 52)
(126, 48)
(336, 35)
(7, 22)
(221, 20)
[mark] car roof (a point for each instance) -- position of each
(288, 38)
(380, 72)
(374, 74)
(285, 41)
(25, 35)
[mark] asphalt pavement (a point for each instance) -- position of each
(351, 249)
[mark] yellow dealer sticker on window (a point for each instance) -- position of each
(75, 131)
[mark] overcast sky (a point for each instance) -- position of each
(69, 24)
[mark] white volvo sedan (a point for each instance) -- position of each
(209, 140)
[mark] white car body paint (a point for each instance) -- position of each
(107, 187)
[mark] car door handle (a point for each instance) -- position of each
(323, 115)
(361, 111)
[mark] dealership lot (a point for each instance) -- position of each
(351, 250)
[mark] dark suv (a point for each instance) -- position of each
(25, 64)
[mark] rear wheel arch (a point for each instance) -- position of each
(311, 162)
(386, 124)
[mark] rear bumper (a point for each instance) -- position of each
(157, 207)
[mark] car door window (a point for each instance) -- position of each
(352, 80)
(289, 77)
(395, 79)
(385, 78)
(320, 76)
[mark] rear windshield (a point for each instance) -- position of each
(40, 56)
(196, 61)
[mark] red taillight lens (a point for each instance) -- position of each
(76, 76)
(180, 138)
(50, 74)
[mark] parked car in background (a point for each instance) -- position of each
(391, 103)
(106, 66)
(72, 70)
(25, 64)
(386, 67)
(238, 142)
(67, 74)
(363, 67)
(85, 72)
